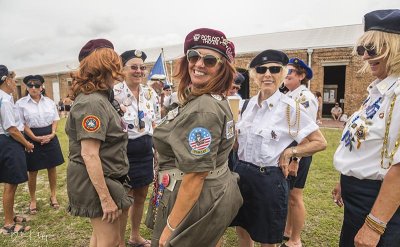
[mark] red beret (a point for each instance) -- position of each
(210, 39)
(93, 45)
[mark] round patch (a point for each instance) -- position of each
(199, 141)
(165, 180)
(91, 123)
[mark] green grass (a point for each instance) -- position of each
(58, 228)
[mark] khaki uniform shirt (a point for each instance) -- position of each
(93, 117)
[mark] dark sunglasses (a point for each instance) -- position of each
(272, 69)
(137, 67)
(290, 71)
(117, 107)
(209, 60)
(33, 85)
(370, 49)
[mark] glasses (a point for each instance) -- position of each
(137, 67)
(209, 60)
(290, 71)
(117, 107)
(33, 85)
(272, 69)
(370, 49)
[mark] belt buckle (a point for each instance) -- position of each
(262, 169)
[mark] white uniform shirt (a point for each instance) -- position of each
(359, 152)
(9, 115)
(37, 114)
(263, 132)
(305, 97)
(148, 104)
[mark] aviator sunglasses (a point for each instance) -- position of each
(370, 49)
(32, 85)
(272, 69)
(209, 60)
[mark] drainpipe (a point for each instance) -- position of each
(309, 52)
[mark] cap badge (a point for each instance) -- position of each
(196, 37)
(138, 53)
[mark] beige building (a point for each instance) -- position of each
(327, 50)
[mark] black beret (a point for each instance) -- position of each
(384, 20)
(239, 79)
(92, 45)
(128, 55)
(29, 78)
(3, 73)
(301, 64)
(269, 56)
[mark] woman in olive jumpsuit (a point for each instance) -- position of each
(198, 196)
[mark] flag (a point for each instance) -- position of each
(158, 68)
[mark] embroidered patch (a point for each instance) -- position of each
(306, 104)
(199, 141)
(230, 129)
(91, 123)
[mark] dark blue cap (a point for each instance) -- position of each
(300, 63)
(128, 55)
(239, 79)
(269, 56)
(384, 20)
(3, 73)
(29, 78)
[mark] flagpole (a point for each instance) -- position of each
(165, 65)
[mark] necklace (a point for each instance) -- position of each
(384, 152)
(296, 122)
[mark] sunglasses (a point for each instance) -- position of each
(29, 85)
(209, 60)
(272, 69)
(137, 67)
(290, 71)
(370, 49)
(117, 107)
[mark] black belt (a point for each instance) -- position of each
(263, 169)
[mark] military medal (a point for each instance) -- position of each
(354, 125)
(361, 133)
(348, 138)
(381, 115)
(148, 105)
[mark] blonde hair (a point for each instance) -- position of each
(387, 46)
(95, 71)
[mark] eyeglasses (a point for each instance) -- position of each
(370, 49)
(272, 69)
(290, 71)
(137, 67)
(33, 85)
(117, 107)
(209, 60)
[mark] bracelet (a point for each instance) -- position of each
(378, 221)
(375, 226)
(169, 226)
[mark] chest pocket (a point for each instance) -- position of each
(268, 141)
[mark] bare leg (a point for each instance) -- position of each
(136, 213)
(32, 178)
(122, 223)
(297, 216)
(104, 233)
(244, 237)
(52, 175)
(8, 206)
(288, 227)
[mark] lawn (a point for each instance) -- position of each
(58, 228)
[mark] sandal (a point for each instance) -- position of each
(20, 219)
(7, 230)
(54, 205)
(32, 211)
(145, 243)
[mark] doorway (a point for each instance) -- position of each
(334, 86)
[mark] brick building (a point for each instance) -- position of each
(327, 50)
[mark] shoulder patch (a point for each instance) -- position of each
(199, 141)
(230, 129)
(91, 123)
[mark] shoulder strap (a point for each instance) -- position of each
(246, 102)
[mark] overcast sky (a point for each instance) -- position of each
(37, 32)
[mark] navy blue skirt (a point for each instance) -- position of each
(140, 156)
(358, 197)
(44, 156)
(265, 201)
(12, 161)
